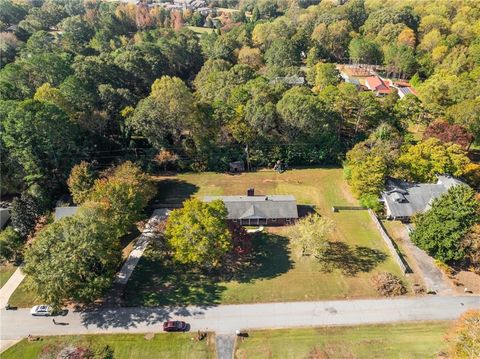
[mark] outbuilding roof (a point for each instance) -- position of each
(4, 216)
(258, 207)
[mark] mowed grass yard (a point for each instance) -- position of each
(358, 251)
(125, 346)
(403, 341)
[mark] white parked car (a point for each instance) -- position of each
(41, 310)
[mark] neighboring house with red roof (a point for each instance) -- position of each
(376, 84)
(403, 88)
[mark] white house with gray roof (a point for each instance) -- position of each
(404, 199)
(259, 210)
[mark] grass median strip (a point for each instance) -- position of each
(131, 346)
(412, 340)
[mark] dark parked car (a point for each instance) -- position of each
(174, 326)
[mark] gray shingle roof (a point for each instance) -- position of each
(404, 199)
(4, 216)
(61, 212)
(253, 207)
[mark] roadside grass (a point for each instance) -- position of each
(23, 296)
(405, 340)
(129, 346)
(275, 274)
(6, 272)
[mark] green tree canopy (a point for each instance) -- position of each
(80, 182)
(25, 212)
(165, 113)
(322, 75)
(121, 196)
(11, 243)
(304, 114)
(423, 161)
(364, 51)
(310, 235)
(198, 233)
(368, 162)
(440, 230)
(42, 139)
(73, 258)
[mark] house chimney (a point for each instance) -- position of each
(251, 192)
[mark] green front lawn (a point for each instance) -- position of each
(275, 274)
(125, 346)
(413, 340)
(24, 297)
(6, 272)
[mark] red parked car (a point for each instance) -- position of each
(174, 326)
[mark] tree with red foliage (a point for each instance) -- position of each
(242, 241)
(447, 132)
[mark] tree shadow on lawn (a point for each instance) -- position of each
(172, 289)
(174, 191)
(351, 261)
(305, 209)
(157, 281)
(269, 258)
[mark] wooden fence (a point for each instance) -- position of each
(348, 208)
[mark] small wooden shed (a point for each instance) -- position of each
(237, 166)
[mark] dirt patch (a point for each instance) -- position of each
(347, 194)
(316, 353)
(149, 336)
(338, 351)
(467, 280)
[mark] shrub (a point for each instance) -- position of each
(11, 244)
(81, 181)
(25, 211)
(464, 338)
(371, 201)
(388, 285)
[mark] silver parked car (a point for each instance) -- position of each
(41, 310)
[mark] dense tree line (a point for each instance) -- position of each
(96, 81)
(76, 257)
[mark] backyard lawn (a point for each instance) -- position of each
(413, 340)
(275, 274)
(201, 30)
(6, 272)
(125, 346)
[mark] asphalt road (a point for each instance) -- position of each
(226, 319)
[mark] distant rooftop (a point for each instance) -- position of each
(404, 199)
(61, 212)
